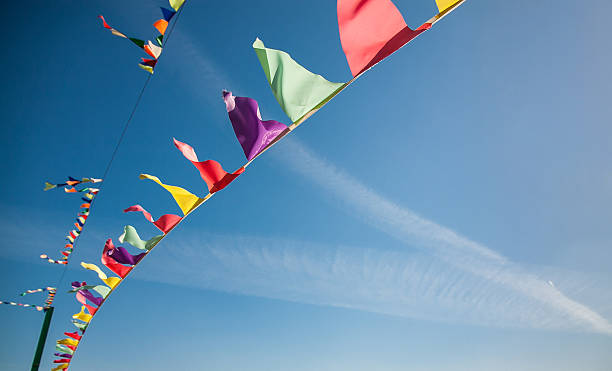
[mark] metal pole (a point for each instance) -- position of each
(42, 339)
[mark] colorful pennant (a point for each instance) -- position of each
(297, 90)
(165, 223)
(252, 133)
(211, 171)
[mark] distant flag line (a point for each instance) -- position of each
(370, 31)
(152, 49)
(48, 302)
(81, 219)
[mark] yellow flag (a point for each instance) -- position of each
(68, 341)
(85, 317)
(185, 199)
(110, 281)
(445, 4)
(176, 4)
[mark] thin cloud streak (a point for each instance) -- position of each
(443, 243)
(400, 283)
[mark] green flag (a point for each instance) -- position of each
(296, 89)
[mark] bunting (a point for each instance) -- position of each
(48, 302)
(370, 31)
(51, 291)
(37, 307)
(161, 25)
(88, 196)
(71, 182)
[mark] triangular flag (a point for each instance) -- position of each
(297, 90)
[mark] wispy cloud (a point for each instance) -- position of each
(401, 283)
(441, 242)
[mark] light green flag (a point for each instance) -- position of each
(131, 236)
(296, 89)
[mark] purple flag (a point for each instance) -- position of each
(121, 255)
(252, 133)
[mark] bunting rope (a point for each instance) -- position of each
(300, 94)
(178, 10)
(81, 218)
(48, 302)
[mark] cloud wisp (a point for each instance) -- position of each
(438, 241)
(409, 284)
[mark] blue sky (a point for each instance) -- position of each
(448, 211)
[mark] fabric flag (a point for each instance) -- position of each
(112, 282)
(122, 256)
(149, 69)
(152, 49)
(63, 366)
(186, 200)
(131, 236)
(176, 4)
(167, 14)
(111, 256)
(297, 90)
(149, 62)
(112, 30)
(211, 171)
(49, 186)
(165, 222)
(74, 335)
(68, 342)
(81, 316)
(64, 349)
(161, 25)
(82, 291)
(371, 30)
(83, 295)
(252, 133)
(80, 325)
(100, 289)
(445, 4)
(63, 355)
(139, 43)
